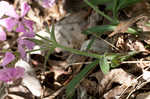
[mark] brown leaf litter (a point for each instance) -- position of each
(118, 83)
(105, 83)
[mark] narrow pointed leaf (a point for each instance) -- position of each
(90, 43)
(104, 65)
(38, 42)
(51, 50)
(53, 34)
(71, 86)
(99, 29)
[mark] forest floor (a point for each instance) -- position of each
(76, 26)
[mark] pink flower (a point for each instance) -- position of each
(8, 23)
(24, 9)
(48, 3)
(23, 25)
(7, 59)
(11, 74)
(6, 9)
(2, 34)
(23, 42)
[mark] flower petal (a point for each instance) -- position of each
(28, 24)
(3, 5)
(7, 59)
(11, 11)
(8, 23)
(22, 51)
(29, 44)
(48, 3)
(2, 34)
(20, 28)
(7, 9)
(10, 74)
(28, 34)
(24, 9)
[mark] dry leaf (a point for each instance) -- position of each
(138, 8)
(104, 86)
(124, 25)
(115, 92)
(145, 95)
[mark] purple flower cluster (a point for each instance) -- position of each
(21, 24)
(9, 20)
(10, 74)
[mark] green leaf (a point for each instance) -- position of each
(52, 33)
(51, 50)
(72, 84)
(132, 31)
(100, 12)
(98, 2)
(128, 55)
(125, 3)
(75, 51)
(43, 38)
(48, 31)
(99, 29)
(38, 42)
(111, 56)
(116, 60)
(104, 65)
(44, 48)
(122, 4)
(90, 43)
(148, 24)
(115, 2)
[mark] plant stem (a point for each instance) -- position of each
(100, 12)
(75, 51)
(37, 50)
(43, 38)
